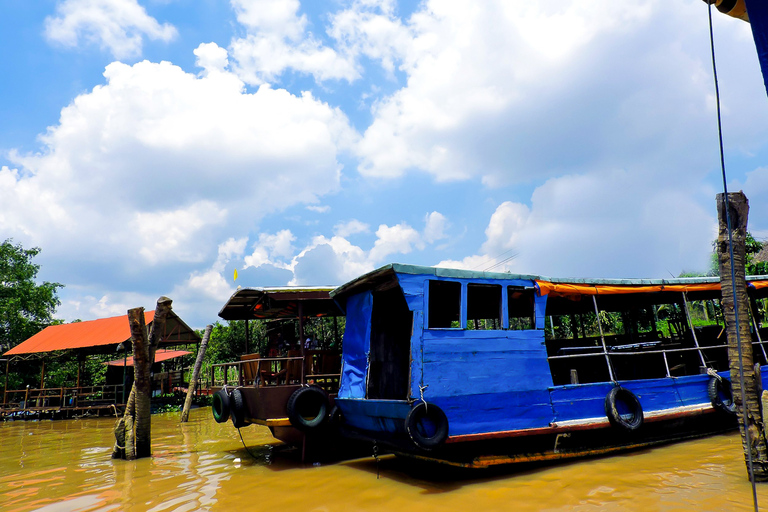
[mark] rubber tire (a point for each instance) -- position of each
(413, 422)
(238, 409)
(308, 408)
(220, 406)
(717, 386)
(615, 418)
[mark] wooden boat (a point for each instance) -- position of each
(291, 387)
(477, 369)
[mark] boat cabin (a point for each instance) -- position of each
(497, 355)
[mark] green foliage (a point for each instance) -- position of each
(25, 306)
(752, 266)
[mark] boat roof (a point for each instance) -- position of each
(101, 335)
(556, 286)
(280, 302)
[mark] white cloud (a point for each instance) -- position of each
(349, 228)
(170, 235)
(319, 209)
(146, 175)
(434, 230)
(277, 41)
(398, 239)
(211, 57)
(272, 249)
(507, 92)
(371, 29)
(596, 225)
(116, 25)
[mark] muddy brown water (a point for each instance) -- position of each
(65, 465)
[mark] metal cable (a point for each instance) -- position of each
(733, 270)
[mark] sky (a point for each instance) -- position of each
(152, 147)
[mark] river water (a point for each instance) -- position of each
(65, 465)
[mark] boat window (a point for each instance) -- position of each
(520, 308)
(483, 306)
(444, 305)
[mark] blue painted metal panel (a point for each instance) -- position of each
(692, 389)
(417, 354)
(579, 401)
(655, 394)
(357, 341)
(488, 380)
(374, 415)
(539, 309)
(478, 362)
(494, 412)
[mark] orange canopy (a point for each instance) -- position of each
(105, 331)
(566, 289)
(160, 355)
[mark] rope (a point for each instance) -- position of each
(376, 458)
(246, 448)
(733, 270)
(421, 392)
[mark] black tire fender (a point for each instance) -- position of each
(630, 420)
(220, 405)
(721, 395)
(426, 425)
(308, 408)
(238, 409)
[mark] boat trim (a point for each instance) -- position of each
(586, 424)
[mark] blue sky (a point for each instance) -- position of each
(150, 147)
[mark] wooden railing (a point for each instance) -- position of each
(62, 398)
(315, 367)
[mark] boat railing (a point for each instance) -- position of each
(275, 371)
(643, 349)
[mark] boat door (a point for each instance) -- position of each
(389, 365)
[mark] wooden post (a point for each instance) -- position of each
(246, 336)
(5, 389)
(734, 298)
(42, 375)
(133, 433)
(195, 373)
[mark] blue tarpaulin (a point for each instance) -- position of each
(357, 336)
(758, 18)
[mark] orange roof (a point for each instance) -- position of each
(160, 355)
(105, 331)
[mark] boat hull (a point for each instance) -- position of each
(555, 443)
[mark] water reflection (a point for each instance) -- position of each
(202, 465)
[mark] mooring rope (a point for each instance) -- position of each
(246, 448)
(730, 253)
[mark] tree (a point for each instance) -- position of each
(25, 306)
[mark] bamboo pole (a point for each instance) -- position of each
(740, 360)
(195, 373)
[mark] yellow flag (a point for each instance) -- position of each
(235, 274)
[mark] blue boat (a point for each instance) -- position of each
(476, 369)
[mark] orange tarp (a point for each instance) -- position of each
(565, 290)
(105, 331)
(160, 355)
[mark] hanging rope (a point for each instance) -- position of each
(730, 253)
(246, 448)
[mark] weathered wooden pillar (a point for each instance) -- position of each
(42, 375)
(133, 432)
(195, 373)
(734, 297)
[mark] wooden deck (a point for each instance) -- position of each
(63, 402)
